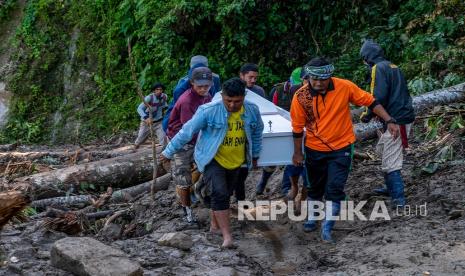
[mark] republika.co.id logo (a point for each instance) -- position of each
(266, 210)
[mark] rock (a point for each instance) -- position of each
(112, 231)
(222, 271)
(87, 256)
(176, 254)
(414, 260)
(178, 240)
(15, 268)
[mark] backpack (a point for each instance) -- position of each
(281, 96)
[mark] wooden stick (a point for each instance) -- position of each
(152, 134)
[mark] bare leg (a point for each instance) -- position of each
(214, 227)
(302, 196)
(304, 193)
(222, 217)
(294, 187)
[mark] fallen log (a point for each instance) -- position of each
(99, 215)
(118, 172)
(65, 201)
(420, 103)
(57, 213)
(72, 156)
(127, 194)
(119, 196)
(8, 147)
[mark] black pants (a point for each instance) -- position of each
(327, 173)
(240, 185)
(222, 183)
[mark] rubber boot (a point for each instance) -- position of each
(263, 181)
(310, 224)
(383, 191)
(396, 188)
(329, 224)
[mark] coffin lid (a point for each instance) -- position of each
(279, 118)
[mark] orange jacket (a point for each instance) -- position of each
(327, 118)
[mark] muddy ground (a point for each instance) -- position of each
(409, 244)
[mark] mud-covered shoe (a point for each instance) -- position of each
(309, 226)
(381, 191)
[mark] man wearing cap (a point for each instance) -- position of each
(388, 86)
(157, 101)
(201, 82)
(321, 107)
(184, 84)
(230, 134)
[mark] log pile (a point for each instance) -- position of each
(60, 191)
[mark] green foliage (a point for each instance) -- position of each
(6, 6)
(29, 212)
(425, 38)
(458, 122)
(36, 83)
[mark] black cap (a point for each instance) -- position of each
(202, 76)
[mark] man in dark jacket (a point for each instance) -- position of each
(388, 86)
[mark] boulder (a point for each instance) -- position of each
(87, 256)
(178, 240)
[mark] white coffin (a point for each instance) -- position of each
(278, 144)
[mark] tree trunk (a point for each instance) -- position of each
(73, 156)
(65, 201)
(118, 172)
(127, 194)
(119, 196)
(420, 103)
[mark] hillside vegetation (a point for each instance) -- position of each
(72, 76)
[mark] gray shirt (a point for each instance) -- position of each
(258, 89)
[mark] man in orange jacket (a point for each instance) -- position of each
(321, 106)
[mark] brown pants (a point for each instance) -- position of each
(144, 132)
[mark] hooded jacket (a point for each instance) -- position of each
(387, 84)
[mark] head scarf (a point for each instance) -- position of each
(318, 72)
